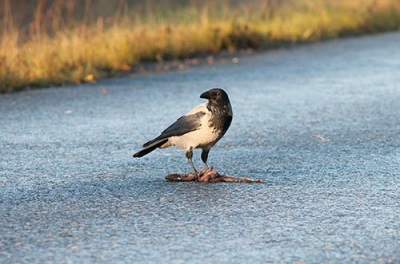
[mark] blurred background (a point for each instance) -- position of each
(49, 15)
(53, 42)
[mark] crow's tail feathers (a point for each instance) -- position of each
(149, 147)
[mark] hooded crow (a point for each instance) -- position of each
(201, 127)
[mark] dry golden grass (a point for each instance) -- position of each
(72, 54)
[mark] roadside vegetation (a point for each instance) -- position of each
(53, 42)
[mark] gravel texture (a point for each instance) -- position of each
(318, 123)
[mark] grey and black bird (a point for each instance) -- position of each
(201, 127)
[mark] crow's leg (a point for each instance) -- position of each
(204, 156)
(189, 155)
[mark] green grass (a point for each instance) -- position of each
(58, 50)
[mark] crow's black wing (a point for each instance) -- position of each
(183, 125)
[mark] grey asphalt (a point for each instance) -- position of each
(318, 123)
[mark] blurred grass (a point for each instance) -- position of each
(56, 42)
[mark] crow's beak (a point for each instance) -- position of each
(205, 95)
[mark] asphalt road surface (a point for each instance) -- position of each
(318, 123)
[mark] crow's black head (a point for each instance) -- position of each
(218, 99)
(216, 95)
